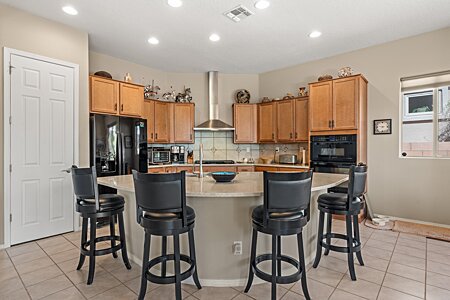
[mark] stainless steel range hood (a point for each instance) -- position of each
(214, 123)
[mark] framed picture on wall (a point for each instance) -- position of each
(382, 126)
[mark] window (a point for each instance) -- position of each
(425, 118)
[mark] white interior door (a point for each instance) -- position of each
(42, 138)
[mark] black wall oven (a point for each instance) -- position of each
(333, 153)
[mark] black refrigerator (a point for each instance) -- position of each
(118, 145)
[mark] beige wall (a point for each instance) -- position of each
(198, 82)
(409, 188)
(22, 31)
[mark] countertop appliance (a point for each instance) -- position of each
(177, 154)
(117, 144)
(290, 159)
(216, 162)
(333, 153)
(159, 155)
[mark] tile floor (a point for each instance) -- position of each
(398, 266)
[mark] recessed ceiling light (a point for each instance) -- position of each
(70, 10)
(175, 3)
(315, 34)
(262, 4)
(153, 41)
(214, 37)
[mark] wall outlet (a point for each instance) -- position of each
(277, 149)
(237, 248)
(248, 149)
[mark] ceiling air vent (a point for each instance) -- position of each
(238, 13)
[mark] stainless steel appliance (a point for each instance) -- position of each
(117, 145)
(177, 154)
(287, 159)
(333, 153)
(159, 155)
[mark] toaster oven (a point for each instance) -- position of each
(159, 156)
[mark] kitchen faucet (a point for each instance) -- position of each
(200, 174)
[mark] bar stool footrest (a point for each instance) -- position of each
(85, 247)
(169, 279)
(341, 249)
(279, 279)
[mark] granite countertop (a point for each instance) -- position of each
(244, 185)
(233, 165)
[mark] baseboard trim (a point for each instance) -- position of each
(2, 246)
(419, 222)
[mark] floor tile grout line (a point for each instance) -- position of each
(384, 277)
(74, 285)
(20, 278)
(65, 275)
(426, 269)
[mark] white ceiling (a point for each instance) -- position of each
(271, 39)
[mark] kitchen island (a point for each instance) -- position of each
(223, 216)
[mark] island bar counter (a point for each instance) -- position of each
(223, 216)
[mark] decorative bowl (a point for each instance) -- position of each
(223, 176)
(325, 77)
(345, 71)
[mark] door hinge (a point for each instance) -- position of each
(10, 168)
(10, 68)
(10, 120)
(10, 218)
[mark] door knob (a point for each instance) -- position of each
(66, 170)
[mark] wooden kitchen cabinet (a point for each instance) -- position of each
(265, 168)
(245, 169)
(345, 103)
(131, 99)
(321, 105)
(113, 97)
(301, 120)
(104, 95)
(267, 122)
(157, 170)
(162, 122)
(245, 121)
(148, 112)
(338, 106)
(286, 121)
(183, 126)
(188, 169)
(287, 169)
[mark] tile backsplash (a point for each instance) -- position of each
(219, 145)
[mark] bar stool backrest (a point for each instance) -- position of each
(287, 192)
(160, 193)
(356, 183)
(85, 184)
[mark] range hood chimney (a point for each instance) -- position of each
(213, 123)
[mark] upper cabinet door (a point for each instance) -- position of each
(162, 122)
(245, 119)
(301, 120)
(131, 100)
(104, 96)
(321, 106)
(286, 121)
(149, 114)
(345, 103)
(267, 122)
(183, 115)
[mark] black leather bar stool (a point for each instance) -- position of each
(348, 204)
(92, 206)
(162, 211)
(285, 212)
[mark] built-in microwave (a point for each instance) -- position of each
(159, 155)
(333, 153)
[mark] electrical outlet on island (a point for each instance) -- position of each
(237, 248)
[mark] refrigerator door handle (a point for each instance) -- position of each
(120, 153)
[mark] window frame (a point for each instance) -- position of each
(434, 117)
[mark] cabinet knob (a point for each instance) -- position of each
(290, 135)
(156, 135)
(121, 107)
(115, 107)
(151, 135)
(329, 124)
(296, 135)
(273, 136)
(191, 136)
